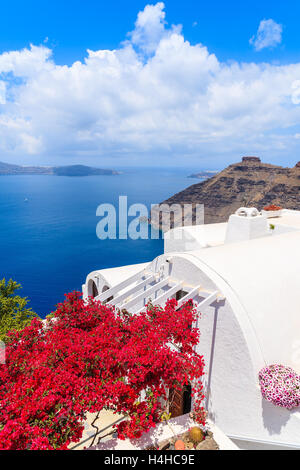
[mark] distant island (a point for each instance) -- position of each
(70, 170)
(203, 174)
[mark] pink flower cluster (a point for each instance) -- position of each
(280, 385)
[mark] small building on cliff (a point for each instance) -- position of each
(251, 159)
(244, 277)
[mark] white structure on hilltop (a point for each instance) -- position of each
(244, 276)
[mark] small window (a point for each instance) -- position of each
(180, 401)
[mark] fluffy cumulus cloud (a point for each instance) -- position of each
(2, 92)
(149, 28)
(269, 34)
(156, 96)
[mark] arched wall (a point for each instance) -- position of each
(95, 280)
(190, 268)
(233, 358)
(110, 277)
(231, 350)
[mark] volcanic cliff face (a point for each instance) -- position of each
(248, 183)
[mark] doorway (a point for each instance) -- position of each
(180, 401)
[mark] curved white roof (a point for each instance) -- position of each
(264, 274)
(195, 237)
(114, 276)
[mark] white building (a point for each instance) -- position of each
(244, 276)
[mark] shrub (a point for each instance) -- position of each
(91, 357)
(14, 313)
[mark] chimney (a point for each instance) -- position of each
(246, 224)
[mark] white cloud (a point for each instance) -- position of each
(269, 34)
(149, 27)
(2, 92)
(156, 97)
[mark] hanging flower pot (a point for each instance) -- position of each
(280, 385)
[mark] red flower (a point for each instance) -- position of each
(272, 207)
(91, 357)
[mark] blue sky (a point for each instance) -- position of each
(73, 26)
(232, 94)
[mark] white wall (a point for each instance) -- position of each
(233, 357)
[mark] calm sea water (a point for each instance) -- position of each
(49, 243)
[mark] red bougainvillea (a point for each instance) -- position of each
(91, 357)
(272, 207)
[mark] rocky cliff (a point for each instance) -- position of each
(248, 183)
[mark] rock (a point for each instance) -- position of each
(189, 445)
(208, 444)
(164, 444)
(248, 183)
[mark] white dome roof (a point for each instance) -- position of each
(264, 275)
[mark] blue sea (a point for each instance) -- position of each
(48, 228)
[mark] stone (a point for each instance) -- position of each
(208, 444)
(189, 445)
(163, 445)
